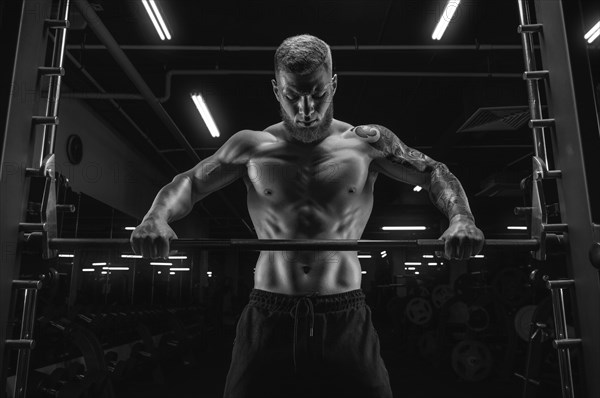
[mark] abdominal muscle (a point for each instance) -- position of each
(307, 272)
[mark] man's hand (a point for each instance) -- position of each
(151, 238)
(462, 239)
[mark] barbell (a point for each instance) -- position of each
(286, 244)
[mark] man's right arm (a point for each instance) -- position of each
(176, 199)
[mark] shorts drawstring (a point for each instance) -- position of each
(294, 312)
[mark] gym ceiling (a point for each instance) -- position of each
(432, 98)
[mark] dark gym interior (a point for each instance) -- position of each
(519, 320)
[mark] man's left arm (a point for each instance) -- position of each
(395, 159)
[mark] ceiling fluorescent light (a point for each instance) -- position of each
(161, 21)
(160, 263)
(129, 228)
(593, 33)
(157, 19)
(205, 113)
(412, 263)
(364, 256)
(87, 269)
(131, 256)
(180, 269)
(445, 19)
(404, 228)
(177, 257)
(516, 227)
(98, 264)
(417, 188)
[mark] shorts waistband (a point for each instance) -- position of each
(322, 303)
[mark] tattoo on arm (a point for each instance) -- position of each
(445, 191)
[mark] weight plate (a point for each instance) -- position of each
(441, 294)
(522, 321)
(479, 318)
(472, 360)
(419, 311)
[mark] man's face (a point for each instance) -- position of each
(306, 103)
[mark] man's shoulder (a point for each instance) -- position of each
(243, 144)
(252, 137)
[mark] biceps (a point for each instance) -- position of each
(210, 175)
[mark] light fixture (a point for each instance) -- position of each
(205, 113)
(416, 272)
(445, 19)
(66, 255)
(432, 264)
(593, 33)
(363, 272)
(116, 268)
(180, 269)
(411, 268)
(131, 256)
(479, 256)
(157, 19)
(364, 256)
(88, 270)
(104, 272)
(177, 257)
(98, 264)
(427, 255)
(517, 227)
(159, 272)
(171, 273)
(412, 263)
(417, 188)
(404, 228)
(383, 254)
(129, 228)
(160, 263)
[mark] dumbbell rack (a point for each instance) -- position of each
(21, 137)
(567, 92)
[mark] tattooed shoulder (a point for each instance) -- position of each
(392, 149)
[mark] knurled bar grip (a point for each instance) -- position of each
(287, 244)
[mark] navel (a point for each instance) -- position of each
(352, 190)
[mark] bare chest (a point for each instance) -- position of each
(289, 173)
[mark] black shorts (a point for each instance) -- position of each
(274, 354)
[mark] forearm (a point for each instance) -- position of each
(173, 201)
(448, 195)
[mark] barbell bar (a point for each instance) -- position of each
(286, 244)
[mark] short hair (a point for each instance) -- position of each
(302, 54)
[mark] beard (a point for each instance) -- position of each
(308, 134)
